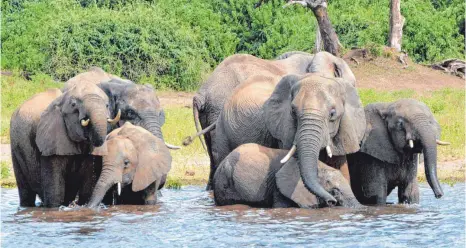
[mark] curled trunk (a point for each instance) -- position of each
(309, 139)
(98, 118)
(428, 141)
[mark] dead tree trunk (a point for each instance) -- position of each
(327, 33)
(396, 25)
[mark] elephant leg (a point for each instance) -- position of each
(53, 172)
(27, 196)
(88, 177)
(208, 142)
(280, 201)
(150, 195)
(408, 193)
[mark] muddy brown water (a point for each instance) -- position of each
(189, 218)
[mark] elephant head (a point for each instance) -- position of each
(401, 127)
(135, 157)
(310, 113)
(74, 122)
(331, 66)
(137, 104)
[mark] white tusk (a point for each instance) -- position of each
(84, 123)
(169, 146)
(116, 119)
(289, 155)
(411, 143)
(119, 188)
(442, 143)
(329, 151)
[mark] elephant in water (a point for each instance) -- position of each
(52, 137)
(395, 134)
(209, 101)
(253, 175)
(137, 162)
(306, 114)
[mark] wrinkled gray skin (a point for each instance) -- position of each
(138, 104)
(51, 148)
(310, 111)
(386, 160)
(234, 70)
(137, 160)
(253, 175)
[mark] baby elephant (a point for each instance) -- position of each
(137, 162)
(395, 134)
(253, 175)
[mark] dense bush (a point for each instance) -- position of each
(175, 43)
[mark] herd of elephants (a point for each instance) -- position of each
(288, 132)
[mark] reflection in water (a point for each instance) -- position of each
(189, 217)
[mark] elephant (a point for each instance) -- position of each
(131, 102)
(396, 133)
(303, 114)
(137, 162)
(52, 137)
(209, 101)
(253, 175)
(94, 75)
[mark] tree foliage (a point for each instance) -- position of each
(175, 44)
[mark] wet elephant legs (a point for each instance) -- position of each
(27, 196)
(64, 176)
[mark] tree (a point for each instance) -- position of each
(396, 25)
(327, 33)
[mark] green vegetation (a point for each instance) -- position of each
(174, 44)
(16, 90)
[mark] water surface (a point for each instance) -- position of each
(189, 218)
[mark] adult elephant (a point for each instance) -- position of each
(137, 104)
(303, 114)
(52, 135)
(210, 98)
(94, 75)
(395, 134)
(137, 162)
(253, 174)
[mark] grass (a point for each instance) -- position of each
(191, 164)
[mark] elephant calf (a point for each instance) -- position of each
(253, 175)
(395, 134)
(137, 163)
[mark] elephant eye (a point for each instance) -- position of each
(333, 113)
(399, 124)
(126, 162)
(131, 114)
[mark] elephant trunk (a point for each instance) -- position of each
(98, 118)
(428, 141)
(107, 179)
(309, 138)
(150, 123)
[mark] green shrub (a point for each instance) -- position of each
(175, 44)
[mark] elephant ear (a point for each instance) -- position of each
(277, 112)
(290, 184)
(376, 140)
(51, 135)
(154, 160)
(352, 123)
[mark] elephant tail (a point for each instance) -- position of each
(188, 140)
